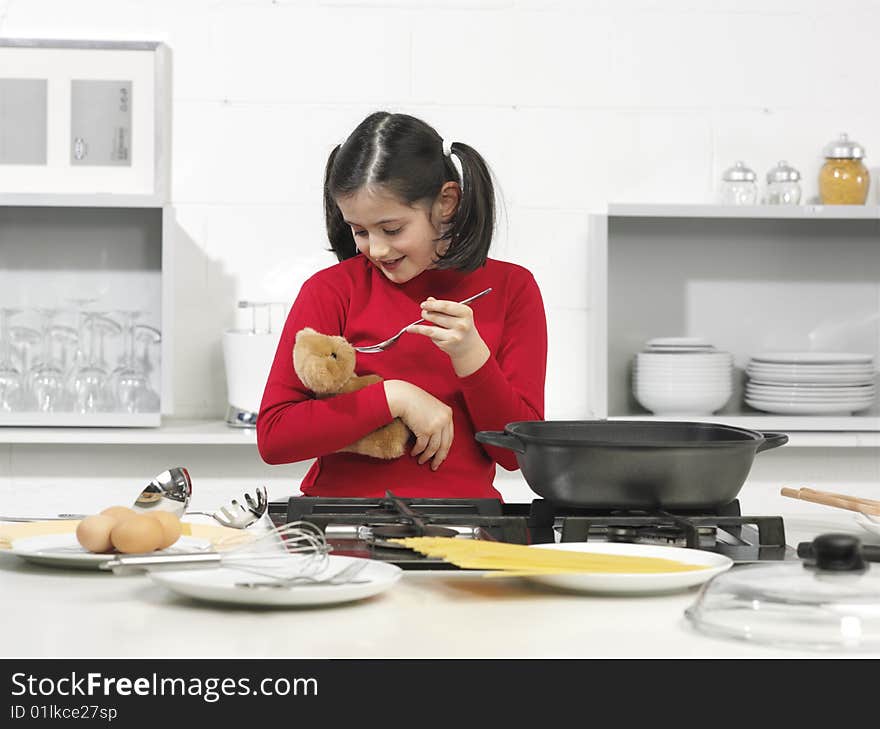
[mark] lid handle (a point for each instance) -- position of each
(838, 553)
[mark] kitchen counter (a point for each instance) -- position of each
(60, 613)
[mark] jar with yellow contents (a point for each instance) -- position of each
(844, 179)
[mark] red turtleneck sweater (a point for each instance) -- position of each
(354, 299)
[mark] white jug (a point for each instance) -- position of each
(248, 355)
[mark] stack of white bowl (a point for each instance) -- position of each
(682, 376)
(810, 383)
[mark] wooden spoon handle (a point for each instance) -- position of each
(818, 497)
(856, 499)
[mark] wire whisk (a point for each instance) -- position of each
(295, 549)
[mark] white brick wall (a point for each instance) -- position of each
(575, 103)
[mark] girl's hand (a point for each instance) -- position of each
(454, 332)
(426, 416)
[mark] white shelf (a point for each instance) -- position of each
(753, 277)
(97, 200)
(803, 432)
(66, 420)
(793, 212)
(173, 431)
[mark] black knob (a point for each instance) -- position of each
(838, 553)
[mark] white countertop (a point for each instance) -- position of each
(66, 613)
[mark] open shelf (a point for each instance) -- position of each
(803, 432)
(749, 279)
(172, 431)
(796, 212)
(207, 432)
(92, 200)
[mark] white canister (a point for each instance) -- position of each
(248, 356)
(738, 186)
(783, 185)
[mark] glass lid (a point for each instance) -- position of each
(783, 172)
(830, 601)
(844, 148)
(739, 173)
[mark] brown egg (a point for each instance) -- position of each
(137, 535)
(171, 528)
(119, 513)
(93, 533)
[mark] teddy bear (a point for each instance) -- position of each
(324, 363)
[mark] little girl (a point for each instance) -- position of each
(412, 237)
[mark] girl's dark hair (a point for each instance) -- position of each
(405, 156)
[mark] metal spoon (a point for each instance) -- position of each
(170, 491)
(382, 346)
(237, 516)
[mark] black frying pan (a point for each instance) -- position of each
(633, 464)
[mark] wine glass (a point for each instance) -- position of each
(46, 377)
(89, 381)
(80, 354)
(149, 337)
(26, 341)
(11, 379)
(133, 391)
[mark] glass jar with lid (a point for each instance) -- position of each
(738, 186)
(844, 178)
(783, 185)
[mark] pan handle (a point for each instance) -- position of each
(501, 439)
(772, 440)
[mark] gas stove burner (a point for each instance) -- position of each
(621, 534)
(366, 527)
(401, 531)
(654, 534)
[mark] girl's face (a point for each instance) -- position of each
(397, 237)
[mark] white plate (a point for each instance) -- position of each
(691, 357)
(635, 584)
(787, 408)
(811, 400)
(827, 370)
(684, 368)
(869, 524)
(62, 550)
(218, 585)
(813, 388)
(826, 379)
(678, 342)
(801, 396)
(825, 405)
(813, 357)
(679, 350)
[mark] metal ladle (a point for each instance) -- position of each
(170, 491)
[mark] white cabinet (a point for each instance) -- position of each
(81, 117)
(85, 224)
(112, 259)
(748, 279)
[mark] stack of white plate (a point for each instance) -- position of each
(810, 383)
(682, 376)
(679, 345)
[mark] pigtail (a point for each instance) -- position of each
(473, 223)
(338, 232)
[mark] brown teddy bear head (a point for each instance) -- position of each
(323, 362)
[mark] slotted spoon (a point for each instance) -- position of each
(237, 516)
(382, 346)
